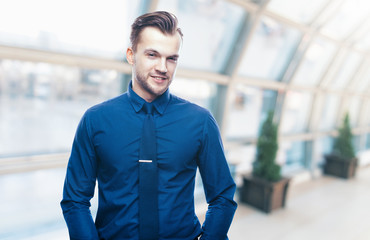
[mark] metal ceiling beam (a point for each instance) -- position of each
(32, 55)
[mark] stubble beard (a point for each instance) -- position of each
(144, 84)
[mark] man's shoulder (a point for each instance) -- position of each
(188, 106)
(109, 105)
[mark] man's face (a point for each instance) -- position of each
(154, 62)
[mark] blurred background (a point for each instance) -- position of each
(306, 60)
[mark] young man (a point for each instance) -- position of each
(108, 148)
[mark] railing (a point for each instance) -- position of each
(33, 163)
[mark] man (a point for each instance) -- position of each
(108, 145)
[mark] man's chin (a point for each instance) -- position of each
(158, 93)
(159, 90)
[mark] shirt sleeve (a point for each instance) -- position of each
(79, 186)
(218, 184)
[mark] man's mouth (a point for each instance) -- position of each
(159, 78)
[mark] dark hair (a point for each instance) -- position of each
(166, 22)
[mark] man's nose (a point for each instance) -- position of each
(162, 65)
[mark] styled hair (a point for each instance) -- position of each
(164, 21)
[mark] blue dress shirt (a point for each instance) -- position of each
(106, 150)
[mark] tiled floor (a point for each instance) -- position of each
(322, 209)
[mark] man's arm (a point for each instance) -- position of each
(79, 186)
(218, 184)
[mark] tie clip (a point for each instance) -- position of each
(147, 161)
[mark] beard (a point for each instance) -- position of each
(143, 81)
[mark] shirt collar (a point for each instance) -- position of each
(160, 103)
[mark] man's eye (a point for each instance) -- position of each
(173, 59)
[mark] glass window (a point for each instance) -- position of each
(268, 104)
(346, 71)
(302, 11)
(41, 104)
(357, 143)
(362, 143)
(248, 110)
(363, 42)
(270, 51)
(297, 107)
(364, 79)
(314, 63)
(336, 63)
(244, 115)
(363, 115)
(347, 17)
(368, 141)
(197, 91)
(367, 113)
(328, 12)
(354, 110)
(242, 157)
(210, 29)
(97, 28)
(328, 115)
(292, 155)
(322, 146)
(259, 2)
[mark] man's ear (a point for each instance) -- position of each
(130, 56)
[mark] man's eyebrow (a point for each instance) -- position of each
(155, 51)
(151, 50)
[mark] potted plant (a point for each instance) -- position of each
(265, 189)
(342, 162)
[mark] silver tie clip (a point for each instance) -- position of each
(144, 160)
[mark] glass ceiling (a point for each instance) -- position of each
(270, 51)
(314, 63)
(101, 28)
(96, 28)
(347, 19)
(302, 11)
(210, 29)
(339, 19)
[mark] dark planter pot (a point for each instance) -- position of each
(264, 195)
(340, 167)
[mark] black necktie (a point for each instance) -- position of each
(148, 179)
